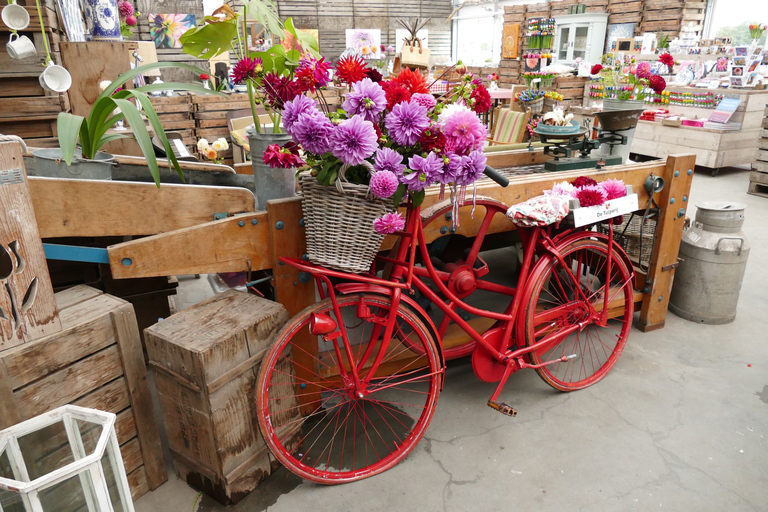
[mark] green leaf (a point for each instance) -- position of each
(272, 59)
(133, 116)
(307, 41)
(399, 194)
(154, 120)
(179, 86)
(130, 75)
(68, 126)
(209, 40)
(292, 58)
(265, 12)
(418, 197)
(109, 138)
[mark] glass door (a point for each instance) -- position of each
(580, 40)
(564, 41)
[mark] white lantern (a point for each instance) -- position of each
(65, 460)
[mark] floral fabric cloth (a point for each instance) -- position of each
(539, 211)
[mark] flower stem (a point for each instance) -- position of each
(251, 100)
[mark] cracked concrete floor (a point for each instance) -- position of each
(681, 423)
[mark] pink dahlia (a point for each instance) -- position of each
(313, 131)
(583, 180)
(614, 189)
(591, 195)
(406, 122)
(383, 184)
(465, 170)
(388, 159)
(389, 223)
(131, 21)
(425, 100)
(294, 108)
(426, 171)
(354, 140)
(643, 70)
(367, 99)
(312, 73)
(125, 8)
(462, 128)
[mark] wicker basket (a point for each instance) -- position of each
(339, 223)
(550, 104)
(535, 106)
(631, 241)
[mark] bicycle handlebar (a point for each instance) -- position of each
(495, 176)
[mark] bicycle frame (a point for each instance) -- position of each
(406, 276)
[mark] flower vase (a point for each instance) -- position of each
(206, 84)
(103, 20)
(494, 86)
(269, 183)
(547, 81)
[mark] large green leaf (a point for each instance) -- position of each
(178, 86)
(129, 75)
(68, 126)
(308, 41)
(154, 120)
(265, 12)
(98, 123)
(209, 40)
(133, 116)
(272, 59)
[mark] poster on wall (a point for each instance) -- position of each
(365, 41)
(618, 31)
(166, 29)
(510, 40)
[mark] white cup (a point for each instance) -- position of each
(20, 47)
(55, 78)
(15, 17)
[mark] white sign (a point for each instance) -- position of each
(612, 208)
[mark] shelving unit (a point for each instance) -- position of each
(580, 36)
(758, 180)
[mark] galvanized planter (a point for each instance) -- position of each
(64, 460)
(714, 254)
(269, 183)
(49, 163)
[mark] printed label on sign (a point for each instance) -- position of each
(612, 208)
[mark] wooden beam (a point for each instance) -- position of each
(69, 208)
(227, 245)
(164, 164)
(678, 174)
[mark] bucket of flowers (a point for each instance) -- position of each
(390, 141)
(551, 100)
(531, 99)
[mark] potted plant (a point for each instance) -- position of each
(112, 105)
(272, 77)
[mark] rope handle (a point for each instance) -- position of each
(412, 43)
(341, 178)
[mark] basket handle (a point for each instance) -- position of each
(413, 44)
(342, 178)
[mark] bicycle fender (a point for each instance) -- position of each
(352, 288)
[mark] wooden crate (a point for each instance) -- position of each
(95, 361)
(206, 360)
(758, 178)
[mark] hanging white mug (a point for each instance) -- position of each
(15, 17)
(55, 78)
(20, 47)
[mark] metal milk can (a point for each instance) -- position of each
(714, 251)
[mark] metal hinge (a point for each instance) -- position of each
(666, 268)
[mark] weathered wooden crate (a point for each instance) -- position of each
(206, 360)
(95, 361)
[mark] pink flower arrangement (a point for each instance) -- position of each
(614, 189)
(591, 195)
(389, 223)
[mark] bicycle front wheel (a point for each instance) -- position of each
(555, 303)
(323, 426)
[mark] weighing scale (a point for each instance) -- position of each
(563, 146)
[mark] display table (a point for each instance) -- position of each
(713, 148)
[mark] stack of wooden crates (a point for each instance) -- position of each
(758, 180)
(78, 346)
(26, 109)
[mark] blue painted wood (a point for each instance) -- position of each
(75, 253)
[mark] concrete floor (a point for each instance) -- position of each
(681, 423)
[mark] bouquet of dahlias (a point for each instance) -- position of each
(212, 151)
(392, 136)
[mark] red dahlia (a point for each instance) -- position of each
(351, 69)
(374, 75)
(284, 158)
(596, 69)
(432, 139)
(205, 76)
(582, 181)
(413, 81)
(667, 59)
(482, 99)
(395, 93)
(279, 89)
(657, 83)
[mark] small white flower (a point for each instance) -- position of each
(220, 144)
(202, 145)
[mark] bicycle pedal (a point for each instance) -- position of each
(503, 408)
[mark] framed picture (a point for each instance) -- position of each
(510, 40)
(741, 51)
(757, 51)
(737, 81)
(618, 31)
(753, 66)
(739, 61)
(166, 29)
(737, 71)
(363, 40)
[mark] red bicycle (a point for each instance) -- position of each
(351, 383)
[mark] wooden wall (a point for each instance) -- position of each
(333, 17)
(667, 16)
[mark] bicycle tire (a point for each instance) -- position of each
(551, 289)
(390, 420)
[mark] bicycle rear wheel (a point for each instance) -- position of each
(554, 303)
(314, 419)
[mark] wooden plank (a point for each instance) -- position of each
(75, 295)
(50, 20)
(66, 385)
(125, 426)
(757, 189)
(137, 481)
(26, 296)
(21, 86)
(131, 452)
(108, 208)
(9, 413)
(669, 232)
(112, 397)
(11, 108)
(132, 358)
(218, 246)
(759, 177)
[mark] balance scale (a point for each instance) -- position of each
(563, 146)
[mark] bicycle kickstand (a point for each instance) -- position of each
(503, 408)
